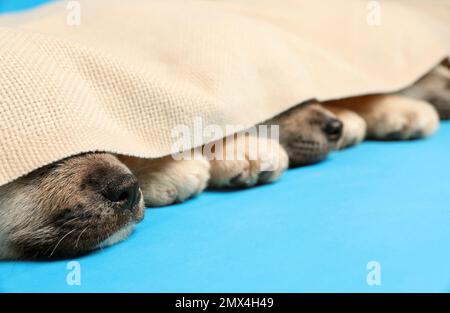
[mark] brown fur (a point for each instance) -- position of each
(59, 210)
(302, 133)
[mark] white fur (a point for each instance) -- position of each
(117, 236)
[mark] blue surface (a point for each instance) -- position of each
(19, 5)
(314, 230)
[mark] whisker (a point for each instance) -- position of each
(79, 236)
(98, 243)
(70, 220)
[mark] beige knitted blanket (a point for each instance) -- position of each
(120, 76)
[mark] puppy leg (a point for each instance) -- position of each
(393, 117)
(244, 161)
(354, 127)
(166, 181)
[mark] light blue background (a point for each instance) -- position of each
(18, 5)
(314, 230)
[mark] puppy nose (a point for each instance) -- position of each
(333, 128)
(123, 190)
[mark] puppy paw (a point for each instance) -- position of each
(248, 161)
(354, 130)
(166, 181)
(401, 118)
(354, 127)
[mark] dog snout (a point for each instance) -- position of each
(123, 190)
(333, 128)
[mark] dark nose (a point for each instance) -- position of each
(123, 190)
(333, 128)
